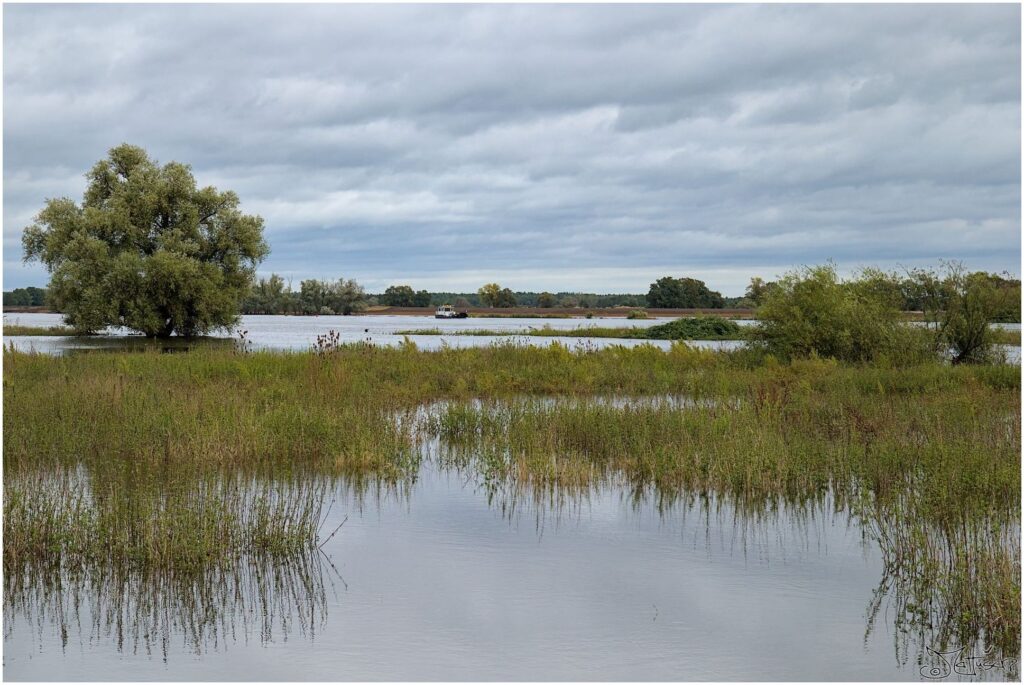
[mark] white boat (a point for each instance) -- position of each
(446, 311)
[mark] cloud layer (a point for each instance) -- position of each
(546, 147)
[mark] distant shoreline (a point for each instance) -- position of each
(517, 312)
(16, 309)
(499, 312)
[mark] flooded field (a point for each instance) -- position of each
(445, 576)
(508, 513)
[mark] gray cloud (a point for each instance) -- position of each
(591, 147)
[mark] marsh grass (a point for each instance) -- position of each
(784, 438)
(948, 585)
(333, 413)
(178, 463)
(177, 524)
(142, 609)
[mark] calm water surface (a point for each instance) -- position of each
(300, 333)
(443, 581)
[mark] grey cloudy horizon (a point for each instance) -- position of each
(568, 147)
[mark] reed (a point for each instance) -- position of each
(83, 520)
(949, 584)
(333, 412)
(775, 439)
(18, 329)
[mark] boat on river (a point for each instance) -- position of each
(446, 311)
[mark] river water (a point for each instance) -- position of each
(300, 332)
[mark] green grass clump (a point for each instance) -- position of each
(17, 329)
(1002, 336)
(696, 328)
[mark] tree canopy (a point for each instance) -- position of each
(25, 297)
(405, 296)
(683, 293)
(813, 311)
(493, 295)
(959, 305)
(147, 249)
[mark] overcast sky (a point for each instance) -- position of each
(546, 147)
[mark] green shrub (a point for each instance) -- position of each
(696, 328)
(959, 307)
(811, 311)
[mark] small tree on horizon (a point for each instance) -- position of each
(493, 295)
(398, 296)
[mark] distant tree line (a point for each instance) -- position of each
(25, 297)
(274, 295)
(545, 299)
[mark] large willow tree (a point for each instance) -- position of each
(147, 249)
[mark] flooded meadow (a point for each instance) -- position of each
(508, 512)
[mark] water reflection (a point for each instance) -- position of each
(146, 610)
(618, 566)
